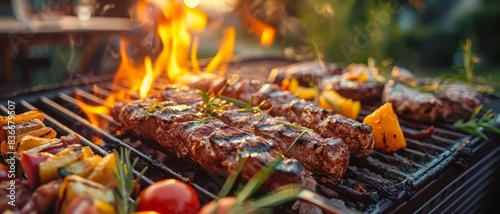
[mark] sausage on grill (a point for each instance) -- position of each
(326, 157)
(214, 145)
(325, 122)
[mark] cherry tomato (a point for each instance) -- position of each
(222, 206)
(169, 196)
(147, 212)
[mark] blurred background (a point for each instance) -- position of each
(422, 35)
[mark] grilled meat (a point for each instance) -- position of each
(450, 101)
(43, 199)
(305, 72)
(14, 196)
(333, 77)
(326, 157)
(325, 122)
(214, 145)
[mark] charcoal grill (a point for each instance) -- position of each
(448, 172)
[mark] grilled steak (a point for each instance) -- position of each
(327, 123)
(14, 196)
(326, 157)
(214, 145)
(451, 101)
(333, 77)
(305, 72)
(43, 199)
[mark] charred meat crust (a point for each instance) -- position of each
(366, 92)
(305, 72)
(452, 102)
(327, 123)
(326, 157)
(329, 76)
(215, 146)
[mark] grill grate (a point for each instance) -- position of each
(378, 183)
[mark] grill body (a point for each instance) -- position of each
(450, 172)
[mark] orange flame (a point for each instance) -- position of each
(91, 111)
(176, 27)
(147, 81)
(257, 27)
(225, 52)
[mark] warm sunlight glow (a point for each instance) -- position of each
(192, 3)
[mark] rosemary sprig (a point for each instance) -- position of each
(293, 126)
(278, 196)
(470, 60)
(124, 179)
(232, 178)
(476, 125)
(296, 140)
(333, 104)
(211, 103)
(254, 184)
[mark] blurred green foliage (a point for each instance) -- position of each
(421, 34)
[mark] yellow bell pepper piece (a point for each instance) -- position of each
(103, 172)
(341, 105)
(386, 131)
(302, 92)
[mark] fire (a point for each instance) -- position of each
(177, 27)
(91, 111)
(147, 81)
(259, 28)
(225, 51)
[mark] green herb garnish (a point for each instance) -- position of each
(253, 185)
(293, 126)
(125, 181)
(476, 125)
(211, 104)
(153, 108)
(333, 104)
(470, 60)
(296, 140)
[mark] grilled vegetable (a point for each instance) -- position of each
(80, 205)
(50, 167)
(22, 118)
(20, 128)
(49, 147)
(385, 129)
(75, 186)
(31, 166)
(29, 142)
(45, 132)
(302, 92)
(81, 168)
(87, 152)
(103, 172)
(330, 99)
